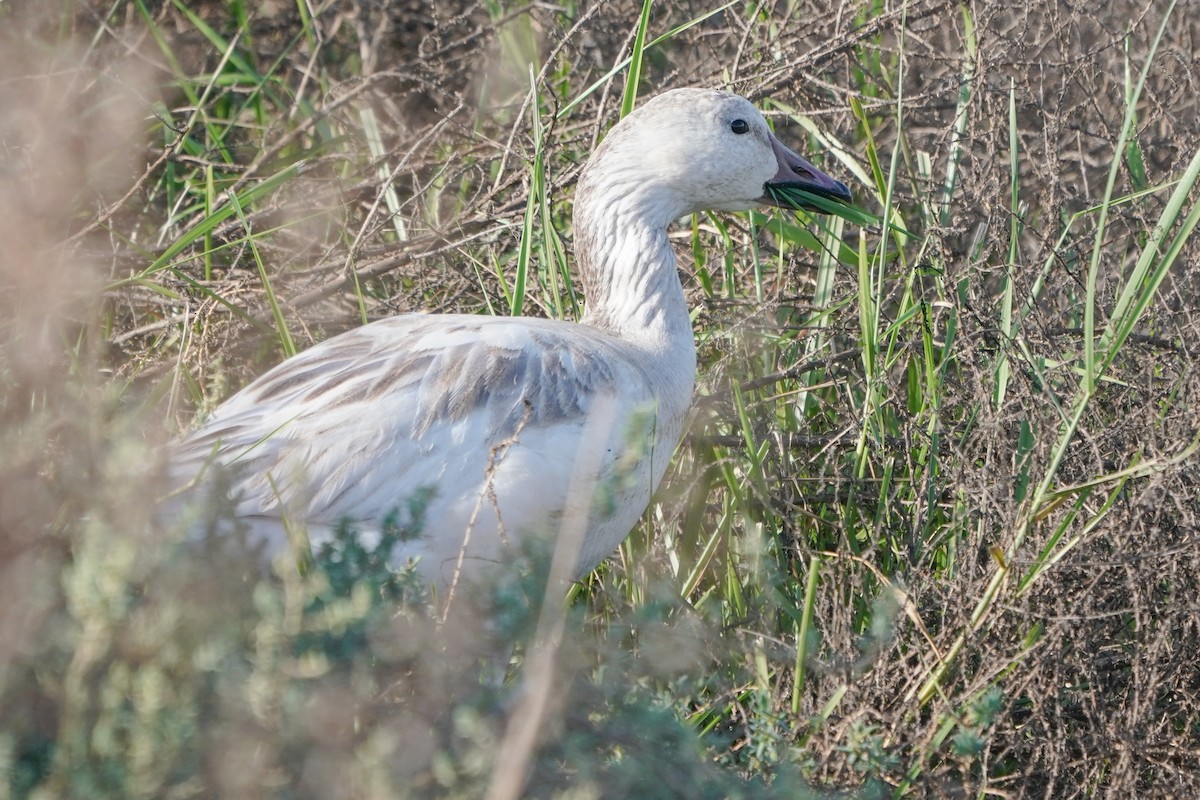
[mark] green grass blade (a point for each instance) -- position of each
(1153, 265)
(961, 115)
(210, 221)
(378, 151)
(803, 631)
(1089, 309)
(636, 57)
(1007, 289)
(285, 336)
(525, 249)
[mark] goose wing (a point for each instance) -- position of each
(365, 421)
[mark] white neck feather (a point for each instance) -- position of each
(627, 264)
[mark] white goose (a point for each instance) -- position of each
(471, 431)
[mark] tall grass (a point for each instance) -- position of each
(921, 441)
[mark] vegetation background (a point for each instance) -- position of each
(932, 533)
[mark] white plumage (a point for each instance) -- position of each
(471, 432)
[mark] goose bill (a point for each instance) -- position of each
(797, 172)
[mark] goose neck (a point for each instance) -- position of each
(628, 268)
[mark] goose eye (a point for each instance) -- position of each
(739, 126)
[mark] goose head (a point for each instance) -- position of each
(691, 150)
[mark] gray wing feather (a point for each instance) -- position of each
(339, 410)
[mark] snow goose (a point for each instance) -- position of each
(469, 432)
